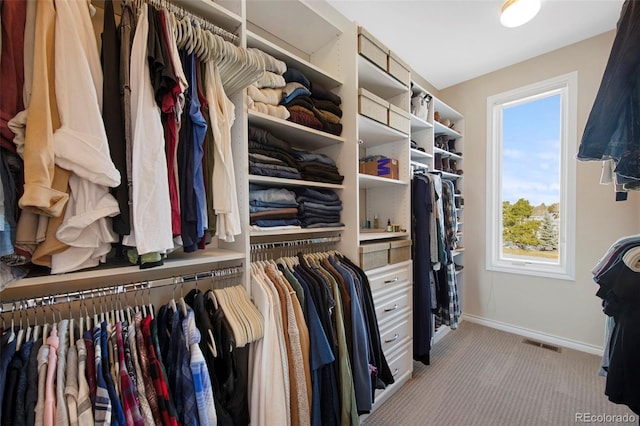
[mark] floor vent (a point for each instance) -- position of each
(542, 345)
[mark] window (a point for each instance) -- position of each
(531, 134)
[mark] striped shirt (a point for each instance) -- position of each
(85, 411)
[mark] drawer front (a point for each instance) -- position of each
(388, 305)
(401, 366)
(402, 362)
(396, 334)
(390, 276)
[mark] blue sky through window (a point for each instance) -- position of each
(531, 151)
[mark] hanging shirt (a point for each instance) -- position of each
(102, 405)
(43, 118)
(201, 379)
(149, 389)
(62, 413)
(85, 412)
(113, 116)
(269, 404)
(199, 133)
(145, 408)
(223, 182)
(50, 391)
(31, 397)
(127, 388)
(117, 413)
(159, 381)
(152, 231)
(43, 367)
(71, 388)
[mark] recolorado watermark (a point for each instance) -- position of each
(605, 418)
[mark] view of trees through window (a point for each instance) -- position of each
(531, 178)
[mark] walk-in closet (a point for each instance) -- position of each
(319, 212)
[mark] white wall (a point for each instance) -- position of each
(566, 309)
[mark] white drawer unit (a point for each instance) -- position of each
(387, 276)
(396, 333)
(401, 366)
(390, 304)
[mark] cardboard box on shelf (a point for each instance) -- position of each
(379, 166)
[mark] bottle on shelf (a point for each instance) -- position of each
(389, 227)
(376, 221)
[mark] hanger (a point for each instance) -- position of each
(72, 340)
(20, 335)
(183, 305)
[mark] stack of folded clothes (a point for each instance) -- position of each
(317, 167)
(327, 106)
(272, 207)
(310, 104)
(266, 94)
(318, 208)
(271, 156)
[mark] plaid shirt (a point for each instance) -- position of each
(90, 367)
(102, 405)
(149, 389)
(128, 391)
(155, 370)
(201, 378)
(180, 374)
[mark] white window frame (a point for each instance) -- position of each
(566, 85)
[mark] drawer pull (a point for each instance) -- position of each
(391, 281)
(395, 337)
(395, 372)
(392, 309)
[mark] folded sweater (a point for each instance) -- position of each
(318, 91)
(270, 80)
(267, 96)
(293, 75)
(327, 106)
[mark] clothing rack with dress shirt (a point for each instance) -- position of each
(292, 247)
(116, 290)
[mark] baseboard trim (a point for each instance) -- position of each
(543, 337)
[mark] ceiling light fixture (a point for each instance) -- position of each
(518, 12)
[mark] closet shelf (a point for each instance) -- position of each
(371, 236)
(446, 111)
(378, 81)
(446, 154)
(213, 12)
(307, 30)
(282, 182)
(418, 124)
(373, 133)
(294, 133)
(450, 176)
(311, 71)
(417, 155)
(419, 165)
(369, 181)
(295, 231)
(441, 129)
(177, 263)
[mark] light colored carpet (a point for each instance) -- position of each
(482, 376)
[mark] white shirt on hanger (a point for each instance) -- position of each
(151, 205)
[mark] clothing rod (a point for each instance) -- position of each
(294, 243)
(75, 296)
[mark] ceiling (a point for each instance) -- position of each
(451, 41)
